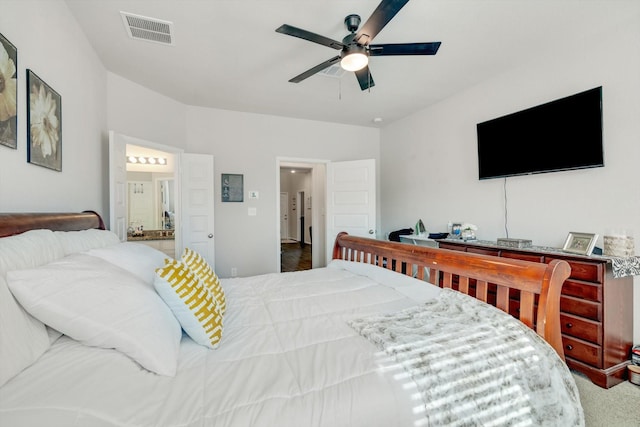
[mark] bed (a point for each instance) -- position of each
(387, 334)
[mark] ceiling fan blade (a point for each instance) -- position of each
(404, 49)
(364, 78)
(308, 35)
(311, 71)
(380, 17)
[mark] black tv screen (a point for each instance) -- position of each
(559, 135)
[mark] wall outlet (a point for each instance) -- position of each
(234, 271)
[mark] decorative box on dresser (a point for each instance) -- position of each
(596, 309)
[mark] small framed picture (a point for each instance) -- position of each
(580, 243)
(232, 187)
(456, 229)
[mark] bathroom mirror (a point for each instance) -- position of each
(151, 201)
(167, 204)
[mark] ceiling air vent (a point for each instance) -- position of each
(149, 29)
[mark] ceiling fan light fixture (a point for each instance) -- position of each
(354, 61)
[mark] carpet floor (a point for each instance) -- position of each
(618, 406)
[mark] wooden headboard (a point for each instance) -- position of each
(16, 223)
(514, 286)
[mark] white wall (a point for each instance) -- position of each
(241, 143)
(136, 111)
(65, 60)
(249, 144)
(429, 160)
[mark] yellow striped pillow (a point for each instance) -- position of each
(201, 268)
(192, 304)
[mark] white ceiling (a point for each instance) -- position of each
(227, 54)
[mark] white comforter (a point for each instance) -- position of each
(288, 358)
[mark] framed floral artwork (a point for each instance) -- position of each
(8, 94)
(44, 116)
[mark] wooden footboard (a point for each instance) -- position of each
(513, 286)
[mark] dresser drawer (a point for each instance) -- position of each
(493, 252)
(584, 290)
(582, 351)
(524, 257)
(587, 330)
(589, 309)
(589, 271)
(451, 247)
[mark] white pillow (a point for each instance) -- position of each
(23, 339)
(79, 241)
(137, 258)
(101, 305)
(29, 249)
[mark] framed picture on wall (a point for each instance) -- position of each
(44, 119)
(232, 187)
(8, 94)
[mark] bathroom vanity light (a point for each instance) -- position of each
(147, 160)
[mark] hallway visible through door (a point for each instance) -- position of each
(296, 217)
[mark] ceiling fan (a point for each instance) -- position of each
(356, 48)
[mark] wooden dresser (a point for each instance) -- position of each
(596, 309)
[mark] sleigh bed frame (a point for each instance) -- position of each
(527, 290)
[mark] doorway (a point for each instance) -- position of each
(342, 197)
(192, 177)
(300, 244)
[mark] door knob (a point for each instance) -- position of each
(210, 236)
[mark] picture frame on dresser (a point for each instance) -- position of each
(580, 243)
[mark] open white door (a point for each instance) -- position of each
(196, 218)
(351, 200)
(284, 215)
(118, 185)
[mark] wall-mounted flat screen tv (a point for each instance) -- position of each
(560, 135)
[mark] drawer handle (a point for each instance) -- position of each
(569, 325)
(569, 347)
